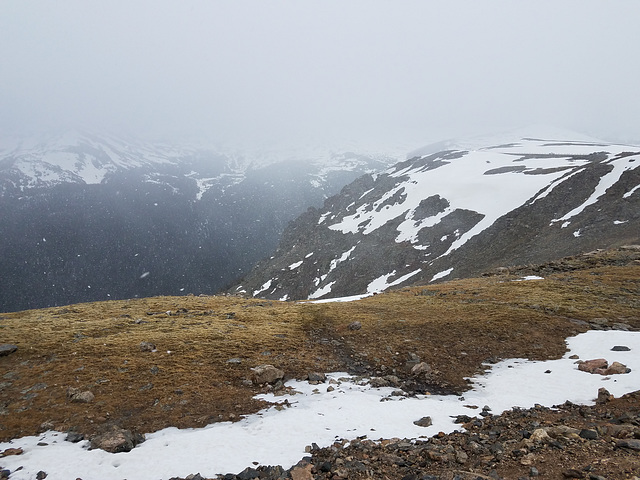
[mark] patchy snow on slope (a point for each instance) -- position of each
(263, 288)
(322, 291)
(353, 409)
(382, 283)
(619, 167)
(295, 265)
(442, 274)
(491, 181)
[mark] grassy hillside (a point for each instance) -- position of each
(190, 382)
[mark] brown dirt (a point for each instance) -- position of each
(188, 382)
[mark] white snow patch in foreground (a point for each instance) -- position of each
(351, 410)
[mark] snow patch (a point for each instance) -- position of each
(352, 410)
(442, 274)
(264, 287)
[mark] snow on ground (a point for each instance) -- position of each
(278, 437)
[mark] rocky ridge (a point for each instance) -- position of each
(454, 214)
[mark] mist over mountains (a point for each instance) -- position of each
(92, 217)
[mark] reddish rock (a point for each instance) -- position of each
(590, 366)
(12, 451)
(616, 368)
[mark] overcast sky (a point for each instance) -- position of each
(252, 70)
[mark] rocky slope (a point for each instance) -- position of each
(568, 441)
(92, 217)
(457, 212)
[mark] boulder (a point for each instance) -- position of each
(616, 368)
(317, 377)
(267, 374)
(423, 422)
(421, 368)
(590, 366)
(78, 396)
(7, 349)
(116, 440)
(603, 396)
(147, 347)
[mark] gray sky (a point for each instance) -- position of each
(250, 70)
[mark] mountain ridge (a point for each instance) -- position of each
(455, 213)
(92, 217)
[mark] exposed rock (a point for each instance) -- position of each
(630, 443)
(423, 422)
(603, 396)
(301, 472)
(147, 347)
(317, 377)
(248, 473)
(267, 374)
(78, 396)
(74, 437)
(235, 361)
(11, 451)
(421, 368)
(355, 326)
(41, 475)
(116, 440)
(590, 366)
(7, 349)
(616, 368)
(620, 348)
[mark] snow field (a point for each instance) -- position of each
(353, 409)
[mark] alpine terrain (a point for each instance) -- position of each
(455, 210)
(94, 217)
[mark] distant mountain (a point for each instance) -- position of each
(89, 217)
(457, 209)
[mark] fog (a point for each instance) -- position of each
(252, 71)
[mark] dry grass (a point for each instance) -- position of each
(188, 381)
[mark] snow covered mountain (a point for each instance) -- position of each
(457, 209)
(89, 217)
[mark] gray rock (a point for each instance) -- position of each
(589, 434)
(147, 347)
(7, 349)
(266, 374)
(74, 437)
(317, 377)
(248, 474)
(355, 326)
(630, 443)
(620, 348)
(603, 396)
(78, 396)
(423, 422)
(421, 368)
(117, 440)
